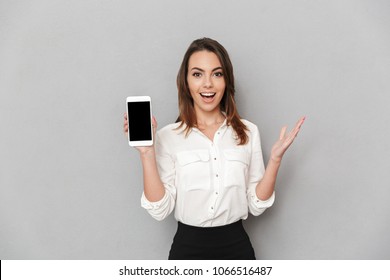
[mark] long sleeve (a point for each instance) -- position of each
(166, 168)
(256, 172)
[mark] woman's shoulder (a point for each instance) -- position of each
(169, 130)
(250, 125)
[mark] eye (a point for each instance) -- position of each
(197, 74)
(218, 74)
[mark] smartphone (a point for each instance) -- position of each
(139, 116)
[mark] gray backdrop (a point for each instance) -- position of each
(71, 185)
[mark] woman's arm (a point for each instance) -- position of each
(266, 186)
(153, 187)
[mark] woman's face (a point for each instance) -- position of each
(206, 81)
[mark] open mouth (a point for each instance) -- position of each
(208, 95)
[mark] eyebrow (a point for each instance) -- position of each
(201, 70)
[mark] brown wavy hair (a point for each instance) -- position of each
(227, 105)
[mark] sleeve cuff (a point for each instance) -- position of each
(258, 203)
(148, 205)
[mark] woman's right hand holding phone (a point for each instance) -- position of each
(143, 150)
(153, 187)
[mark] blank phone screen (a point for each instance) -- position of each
(139, 121)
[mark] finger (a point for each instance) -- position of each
(300, 122)
(294, 132)
(154, 125)
(282, 132)
(125, 116)
(291, 137)
(154, 122)
(125, 122)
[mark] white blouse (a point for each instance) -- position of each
(208, 183)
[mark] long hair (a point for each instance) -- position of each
(187, 113)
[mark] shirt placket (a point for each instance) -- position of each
(216, 169)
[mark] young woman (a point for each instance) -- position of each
(208, 166)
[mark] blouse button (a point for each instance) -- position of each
(216, 175)
(215, 158)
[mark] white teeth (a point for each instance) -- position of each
(207, 94)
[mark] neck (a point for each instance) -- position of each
(210, 118)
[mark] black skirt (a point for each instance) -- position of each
(230, 242)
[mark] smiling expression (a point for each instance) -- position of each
(206, 81)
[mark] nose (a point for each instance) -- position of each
(208, 82)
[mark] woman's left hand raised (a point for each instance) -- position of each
(285, 141)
